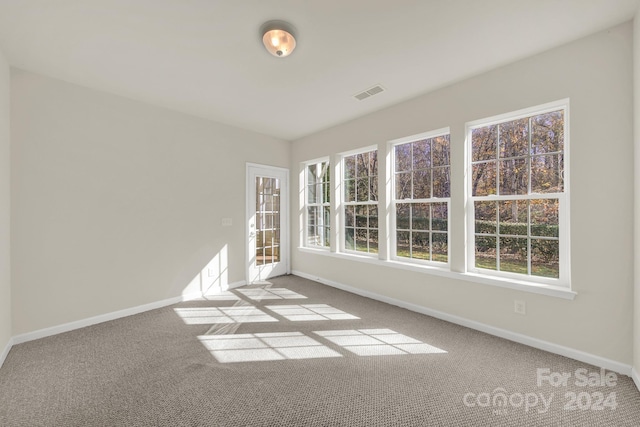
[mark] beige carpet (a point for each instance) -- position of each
(273, 358)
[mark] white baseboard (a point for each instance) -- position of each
(54, 330)
(66, 327)
(636, 378)
(581, 356)
(5, 352)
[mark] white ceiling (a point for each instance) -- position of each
(205, 57)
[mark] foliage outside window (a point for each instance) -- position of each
(360, 179)
(318, 197)
(422, 189)
(517, 189)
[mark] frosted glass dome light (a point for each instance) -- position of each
(278, 38)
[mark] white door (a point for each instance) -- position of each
(267, 222)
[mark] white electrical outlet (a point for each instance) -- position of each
(227, 222)
(519, 307)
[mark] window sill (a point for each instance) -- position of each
(519, 285)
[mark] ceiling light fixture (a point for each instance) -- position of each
(278, 38)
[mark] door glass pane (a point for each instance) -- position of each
(267, 220)
(260, 248)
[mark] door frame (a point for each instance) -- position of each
(285, 229)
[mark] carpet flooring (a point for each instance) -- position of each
(292, 352)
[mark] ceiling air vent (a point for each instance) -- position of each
(369, 92)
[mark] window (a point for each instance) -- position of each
(318, 197)
(511, 214)
(517, 193)
(421, 180)
(360, 183)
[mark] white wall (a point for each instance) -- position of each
(5, 273)
(636, 122)
(596, 74)
(116, 203)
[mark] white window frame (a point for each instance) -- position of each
(563, 281)
(394, 201)
(324, 204)
(343, 203)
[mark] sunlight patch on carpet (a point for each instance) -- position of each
(377, 342)
(221, 296)
(310, 312)
(265, 347)
(260, 294)
(212, 315)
